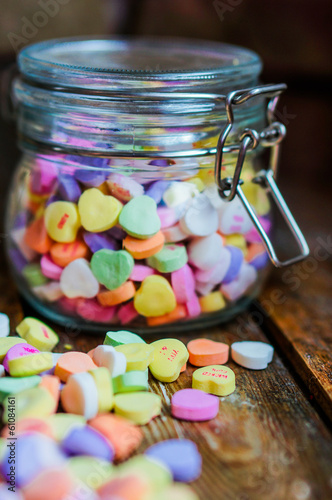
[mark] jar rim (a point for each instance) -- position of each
(67, 61)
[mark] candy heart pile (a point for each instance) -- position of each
(112, 248)
(106, 398)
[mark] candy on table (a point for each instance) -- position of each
(122, 337)
(139, 407)
(133, 381)
(69, 188)
(123, 187)
(53, 483)
(171, 258)
(91, 310)
(240, 285)
(112, 268)
(90, 177)
(212, 302)
(131, 487)
(63, 423)
(36, 236)
(214, 379)
(49, 268)
(123, 435)
(205, 253)
(123, 293)
(201, 218)
(204, 352)
(17, 351)
(253, 355)
(33, 275)
(77, 280)
(142, 249)
(64, 253)
(10, 385)
(169, 357)
(194, 405)
(183, 284)
(80, 395)
(34, 402)
(87, 441)
(155, 297)
(4, 325)
(29, 424)
(234, 218)
(181, 456)
(139, 217)
(108, 357)
(50, 291)
(257, 256)
(193, 307)
(100, 241)
(235, 264)
(91, 471)
(138, 356)
(103, 382)
(180, 312)
(17, 236)
(98, 212)
(38, 334)
(62, 221)
(179, 192)
(30, 365)
(127, 313)
(157, 474)
(140, 272)
(72, 363)
(174, 234)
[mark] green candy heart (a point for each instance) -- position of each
(112, 268)
(131, 382)
(32, 273)
(139, 217)
(13, 385)
(122, 337)
(170, 258)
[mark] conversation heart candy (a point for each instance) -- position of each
(107, 356)
(4, 325)
(90, 177)
(131, 487)
(194, 405)
(253, 355)
(62, 221)
(98, 212)
(49, 268)
(139, 217)
(44, 175)
(87, 441)
(253, 235)
(216, 274)
(69, 188)
(155, 297)
(169, 357)
(138, 356)
(77, 280)
(171, 258)
(111, 268)
(205, 253)
(38, 334)
(124, 292)
(6, 343)
(201, 218)
(56, 482)
(18, 351)
(36, 236)
(157, 474)
(214, 379)
(127, 313)
(235, 264)
(168, 216)
(30, 365)
(11, 385)
(193, 307)
(71, 363)
(204, 352)
(183, 284)
(133, 381)
(236, 240)
(257, 256)
(177, 314)
(142, 249)
(29, 424)
(64, 253)
(178, 193)
(122, 337)
(181, 456)
(33, 275)
(240, 285)
(99, 241)
(80, 395)
(51, 292)
(140, 272)
(34, 402)
(157, 189)
(102, 379)
(91, 310)
(62, 423)
(82, 465)
(174, 234)
(212, 302)
(176, 491)
(139, 407)
(123, 187)
(17, 235)
(234, 218)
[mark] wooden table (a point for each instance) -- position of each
(271, 439)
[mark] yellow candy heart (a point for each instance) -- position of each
(36, 402)
(214, 379)
(104, 385)
(98, 212)
(6, 343)
(155, 297)
(62, 221)
(138, 356)
(169, 357)
(212, 302)
(37, 334)
(139, 407)
(30, 365)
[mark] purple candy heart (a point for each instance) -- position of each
(260, 260)
(235, 265)
(88, 161)
(99, 241)
(21, 220)
(86, 441)
(157, 189)
(52, 199)
(181, 456)
(69, 188)
(162, 162)
(17, 259)
(90, 178)
(117, 233)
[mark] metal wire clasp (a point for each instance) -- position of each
(249, 139)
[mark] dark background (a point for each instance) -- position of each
(293, 37)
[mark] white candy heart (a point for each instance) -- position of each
(205, 253)
(217, 273)
(77, 280)
(201, 218)
(236, 288)
(233, 218)
(179, 192)
(204, 288)
(254, 355)
(174, 234)
(4, 325)
(114, 361)
(50, 292)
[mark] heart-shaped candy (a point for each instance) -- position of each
(122, 337)
(77, 280)
(139, 407)
(138, 356)
(62, 221)
(139, 217)
(206, 252)
(169, 357)
(171, 258)
(204, 352)
(155, 297)
(107, 356)
(201, 218)
(214, 379)
(112, 268)
(234, 218)
(98, 212)
(240, 285)
(194, 405)
(253, 355)
(36, 333)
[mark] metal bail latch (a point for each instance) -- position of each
(271, 136)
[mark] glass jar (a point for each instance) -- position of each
(139, 201)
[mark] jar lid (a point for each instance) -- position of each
(134, 62)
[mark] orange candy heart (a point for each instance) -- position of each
(205, 352)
